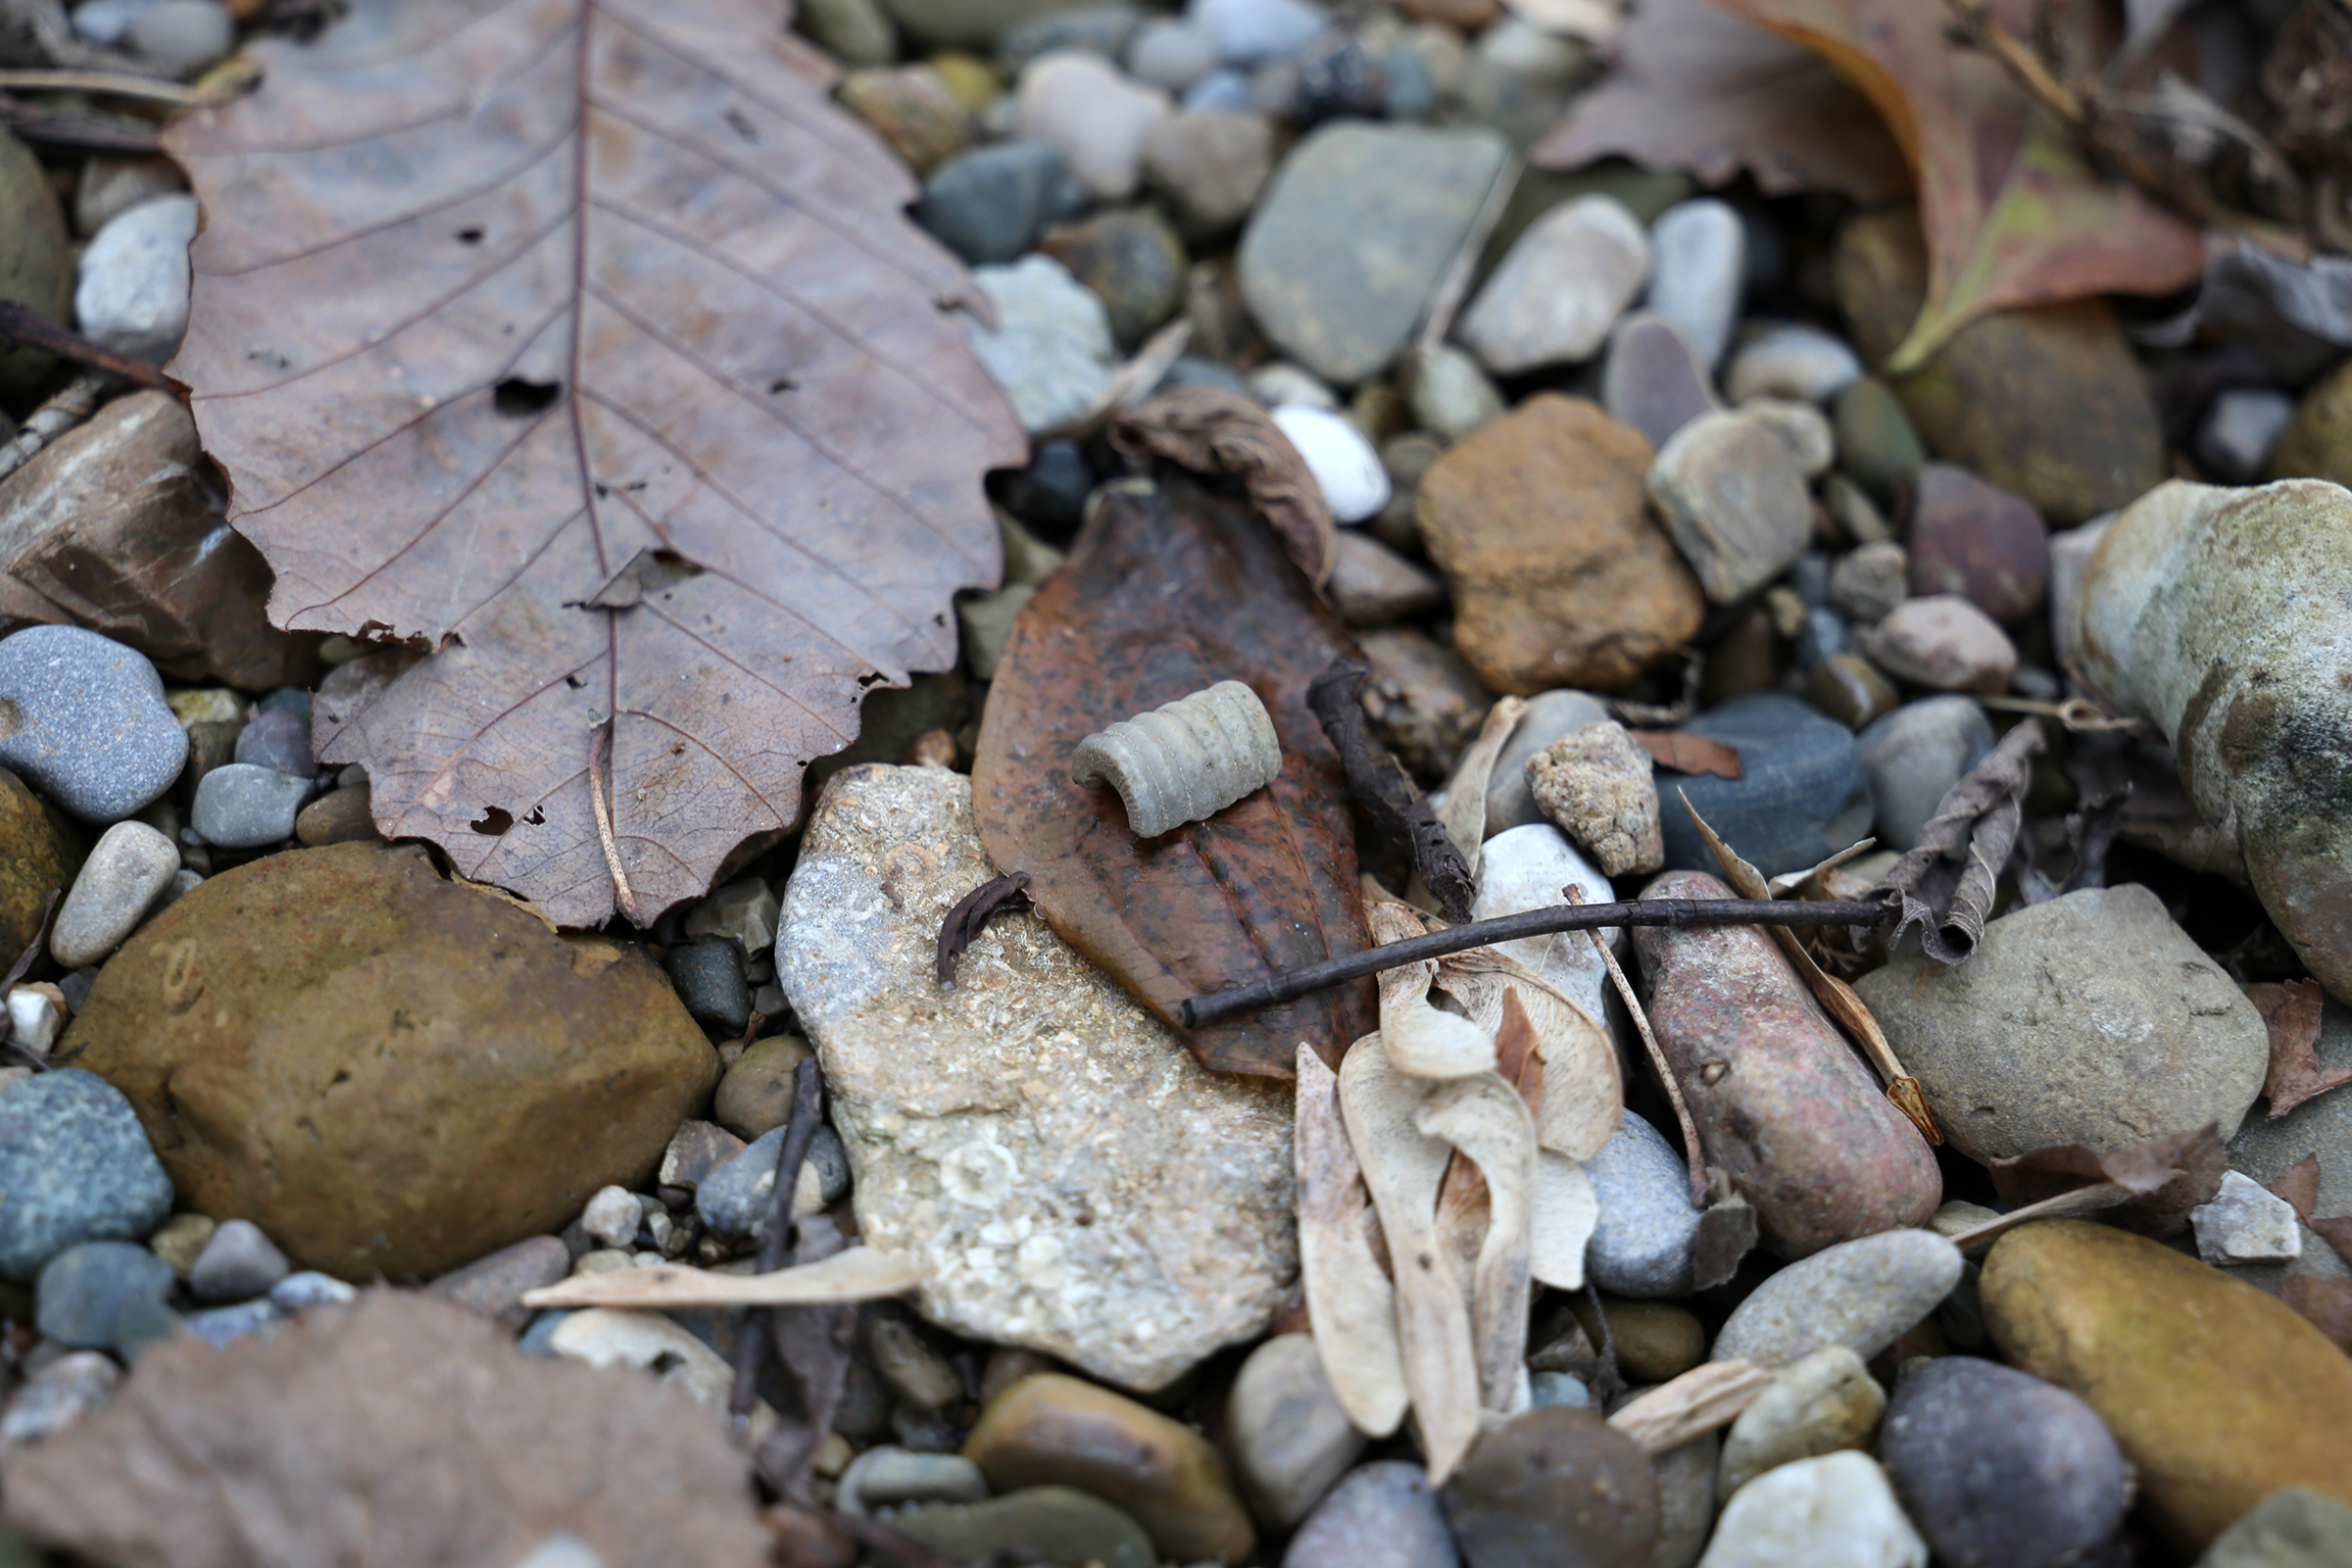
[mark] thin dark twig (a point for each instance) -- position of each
(751, 1344)
(1291, 984)
(970, 917)
(24, 327)
(1401, 814)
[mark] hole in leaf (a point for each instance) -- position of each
(574, 682)
(535, 816)
(470, 237)
(494, 821)
(516, 397)
(781, 386)
(870, 679)
(741, 124)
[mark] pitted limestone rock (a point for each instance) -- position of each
(1079, 1183)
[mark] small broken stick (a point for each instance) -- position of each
(1401, 813)
(970, 917)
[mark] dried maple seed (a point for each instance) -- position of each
(1185, 760)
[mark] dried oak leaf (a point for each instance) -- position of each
(1698, 89)
(1210, 430)
(2292, 1012)
(1685, 753)
(2327, 1305)
(399, 1429)
(584, 345)
(2337, 1231)
(2172, 1174)
(1169, 589)
(2014, 212)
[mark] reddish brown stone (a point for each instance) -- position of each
(1559, 576)
(1781, 1100)
(1978, 541)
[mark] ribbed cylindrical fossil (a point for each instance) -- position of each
(2226, 616)
(1186, 760)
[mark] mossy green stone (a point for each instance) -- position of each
(38, 851)
(1058, 1525)
(2217, 1393)
(2318, 444)
(36, 256)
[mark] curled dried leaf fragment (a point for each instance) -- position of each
(1464, 814)
(1579, 1089)
(1483, 1117)
(1350, 1300)
(1566, 1212)
(1422, 1041)
(1403, 1167)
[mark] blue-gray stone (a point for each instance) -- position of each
(1381, 1515)
(1645, 1239)
(84, 718)
(307, 1289)
(76, 1166)
(1193, 370)
(1099, 29)
(1558, 1388)
(709, 975)
(1802, 794)
(1219, 89)
(142, 1326)
(988, 205)
(276, 738)
(220, 1325)
(1821, 634)
(294, 700)
(539, 1338)
(1916, 754)
(83, 1290)
(242, 806)
(733, 1199)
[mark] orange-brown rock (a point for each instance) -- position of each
(1559, 576)
(389, 1072)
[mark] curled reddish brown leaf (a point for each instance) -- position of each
(1169, 589)
(1685, 753)
(2170, 1175)
(1210, 430)
(2292, 1012)
(585, 347)
(2337, 1231)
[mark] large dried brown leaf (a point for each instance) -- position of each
(400, 1429)
(1168, 590)
(2292, 1012)
(2170, 1176)
(2327, 1305)
(1698, 89)
(494, 304)
(2015, 212)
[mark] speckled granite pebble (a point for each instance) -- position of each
(75, 1167)
(84, 718)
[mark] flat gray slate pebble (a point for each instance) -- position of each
(1996, 1466)
(219, 1326)
(1698, 268)
(709, 975)
(1381, 1515)
(84, 1290)
(84, 718)
(128, 869)
(242, 806)
(987, 204)
(308, 1289)
(1860, 1293)
(132, 291)
(1652, 378)
(886, 1475)
(1352, 235)
(76, 1166)
(237, 1264)
(277, 738)
(1643, 1243)
(733, 1199)
(1802, 794)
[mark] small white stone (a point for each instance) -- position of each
(1170, 53)
(1051, 350)
(1788, 359)
(2246, 1223)
(1095, 116)
(2240, 431)
(183, 36)
(1525, 868)
(605, 1335)
(1836, 1512)
(1249, 31)
(1701, 266)
(1282, 382)
(132, 293)
(36, 1014)
(1559, 289)
(612, 1216)
(131, 865)
(1803, 426)
(1347, 469)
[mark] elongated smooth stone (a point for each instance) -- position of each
(2226, 616)
(1782, 1101)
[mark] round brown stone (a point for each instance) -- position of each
(388, 1072)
